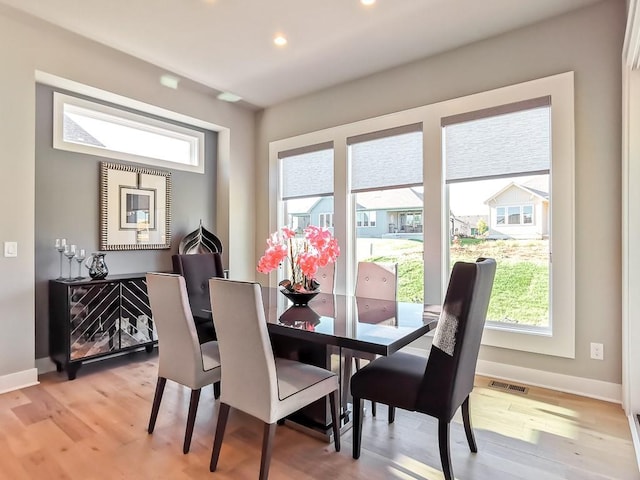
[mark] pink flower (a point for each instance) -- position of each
(308, 264)
(317, 249)
(287, 233)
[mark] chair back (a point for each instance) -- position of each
(451, 367)
(326, 278)
(249, 381)
(197, 269)
(377, 280)
(178, 346)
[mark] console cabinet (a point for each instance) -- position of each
(94, 319)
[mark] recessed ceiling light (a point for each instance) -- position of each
(367, 2)
(280, 40)
(229, 97)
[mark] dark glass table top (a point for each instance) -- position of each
(368, 325)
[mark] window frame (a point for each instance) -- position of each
(559, 338)
(144, 123)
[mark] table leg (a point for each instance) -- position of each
(315, 419)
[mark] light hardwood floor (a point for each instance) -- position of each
(95, 428)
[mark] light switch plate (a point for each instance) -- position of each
(10, 249)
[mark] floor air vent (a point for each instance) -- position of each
(508, 387)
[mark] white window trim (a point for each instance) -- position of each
(194, 137)
(559, 340)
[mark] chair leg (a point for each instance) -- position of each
(445, 455)
(335, 418)
(156, 403)
(223, 414)
(392, 414)
(267, 447)
(357, 426)
(468, 428)
(191, 419)
(216, 390)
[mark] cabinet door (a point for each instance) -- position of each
(94, 314)
(136, 325)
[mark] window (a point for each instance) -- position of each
(515, 215)
(88, 127)
(326, 220)
(307, 199)
(474, 176)
(382, 196)
(366, 219)
(512, 144)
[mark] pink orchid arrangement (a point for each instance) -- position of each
(306, 254)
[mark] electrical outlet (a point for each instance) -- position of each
(10, 249)
(597, 351)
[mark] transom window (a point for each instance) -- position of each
(89, 127)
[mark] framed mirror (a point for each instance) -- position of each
(135, 207)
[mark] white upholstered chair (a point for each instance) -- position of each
(253, 380)
(182, 358)
(377, 280)
(326, 278)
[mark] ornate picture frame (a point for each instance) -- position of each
(135, 207)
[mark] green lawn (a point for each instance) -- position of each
(521, 286)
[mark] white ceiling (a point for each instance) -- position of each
(227, 44)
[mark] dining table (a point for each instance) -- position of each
(330, 331)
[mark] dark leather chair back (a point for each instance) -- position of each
(451, 367)
(197, 269)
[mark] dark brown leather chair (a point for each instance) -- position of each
(197, 269)
(440, 384)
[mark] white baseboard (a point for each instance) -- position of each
(586, 387)
(14, 381)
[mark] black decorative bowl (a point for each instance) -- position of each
(299, 298)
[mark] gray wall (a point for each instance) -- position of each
(28, 46)
(67, 206)
(588, 42)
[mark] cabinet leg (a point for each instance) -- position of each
(72, 370)
(59, 366)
